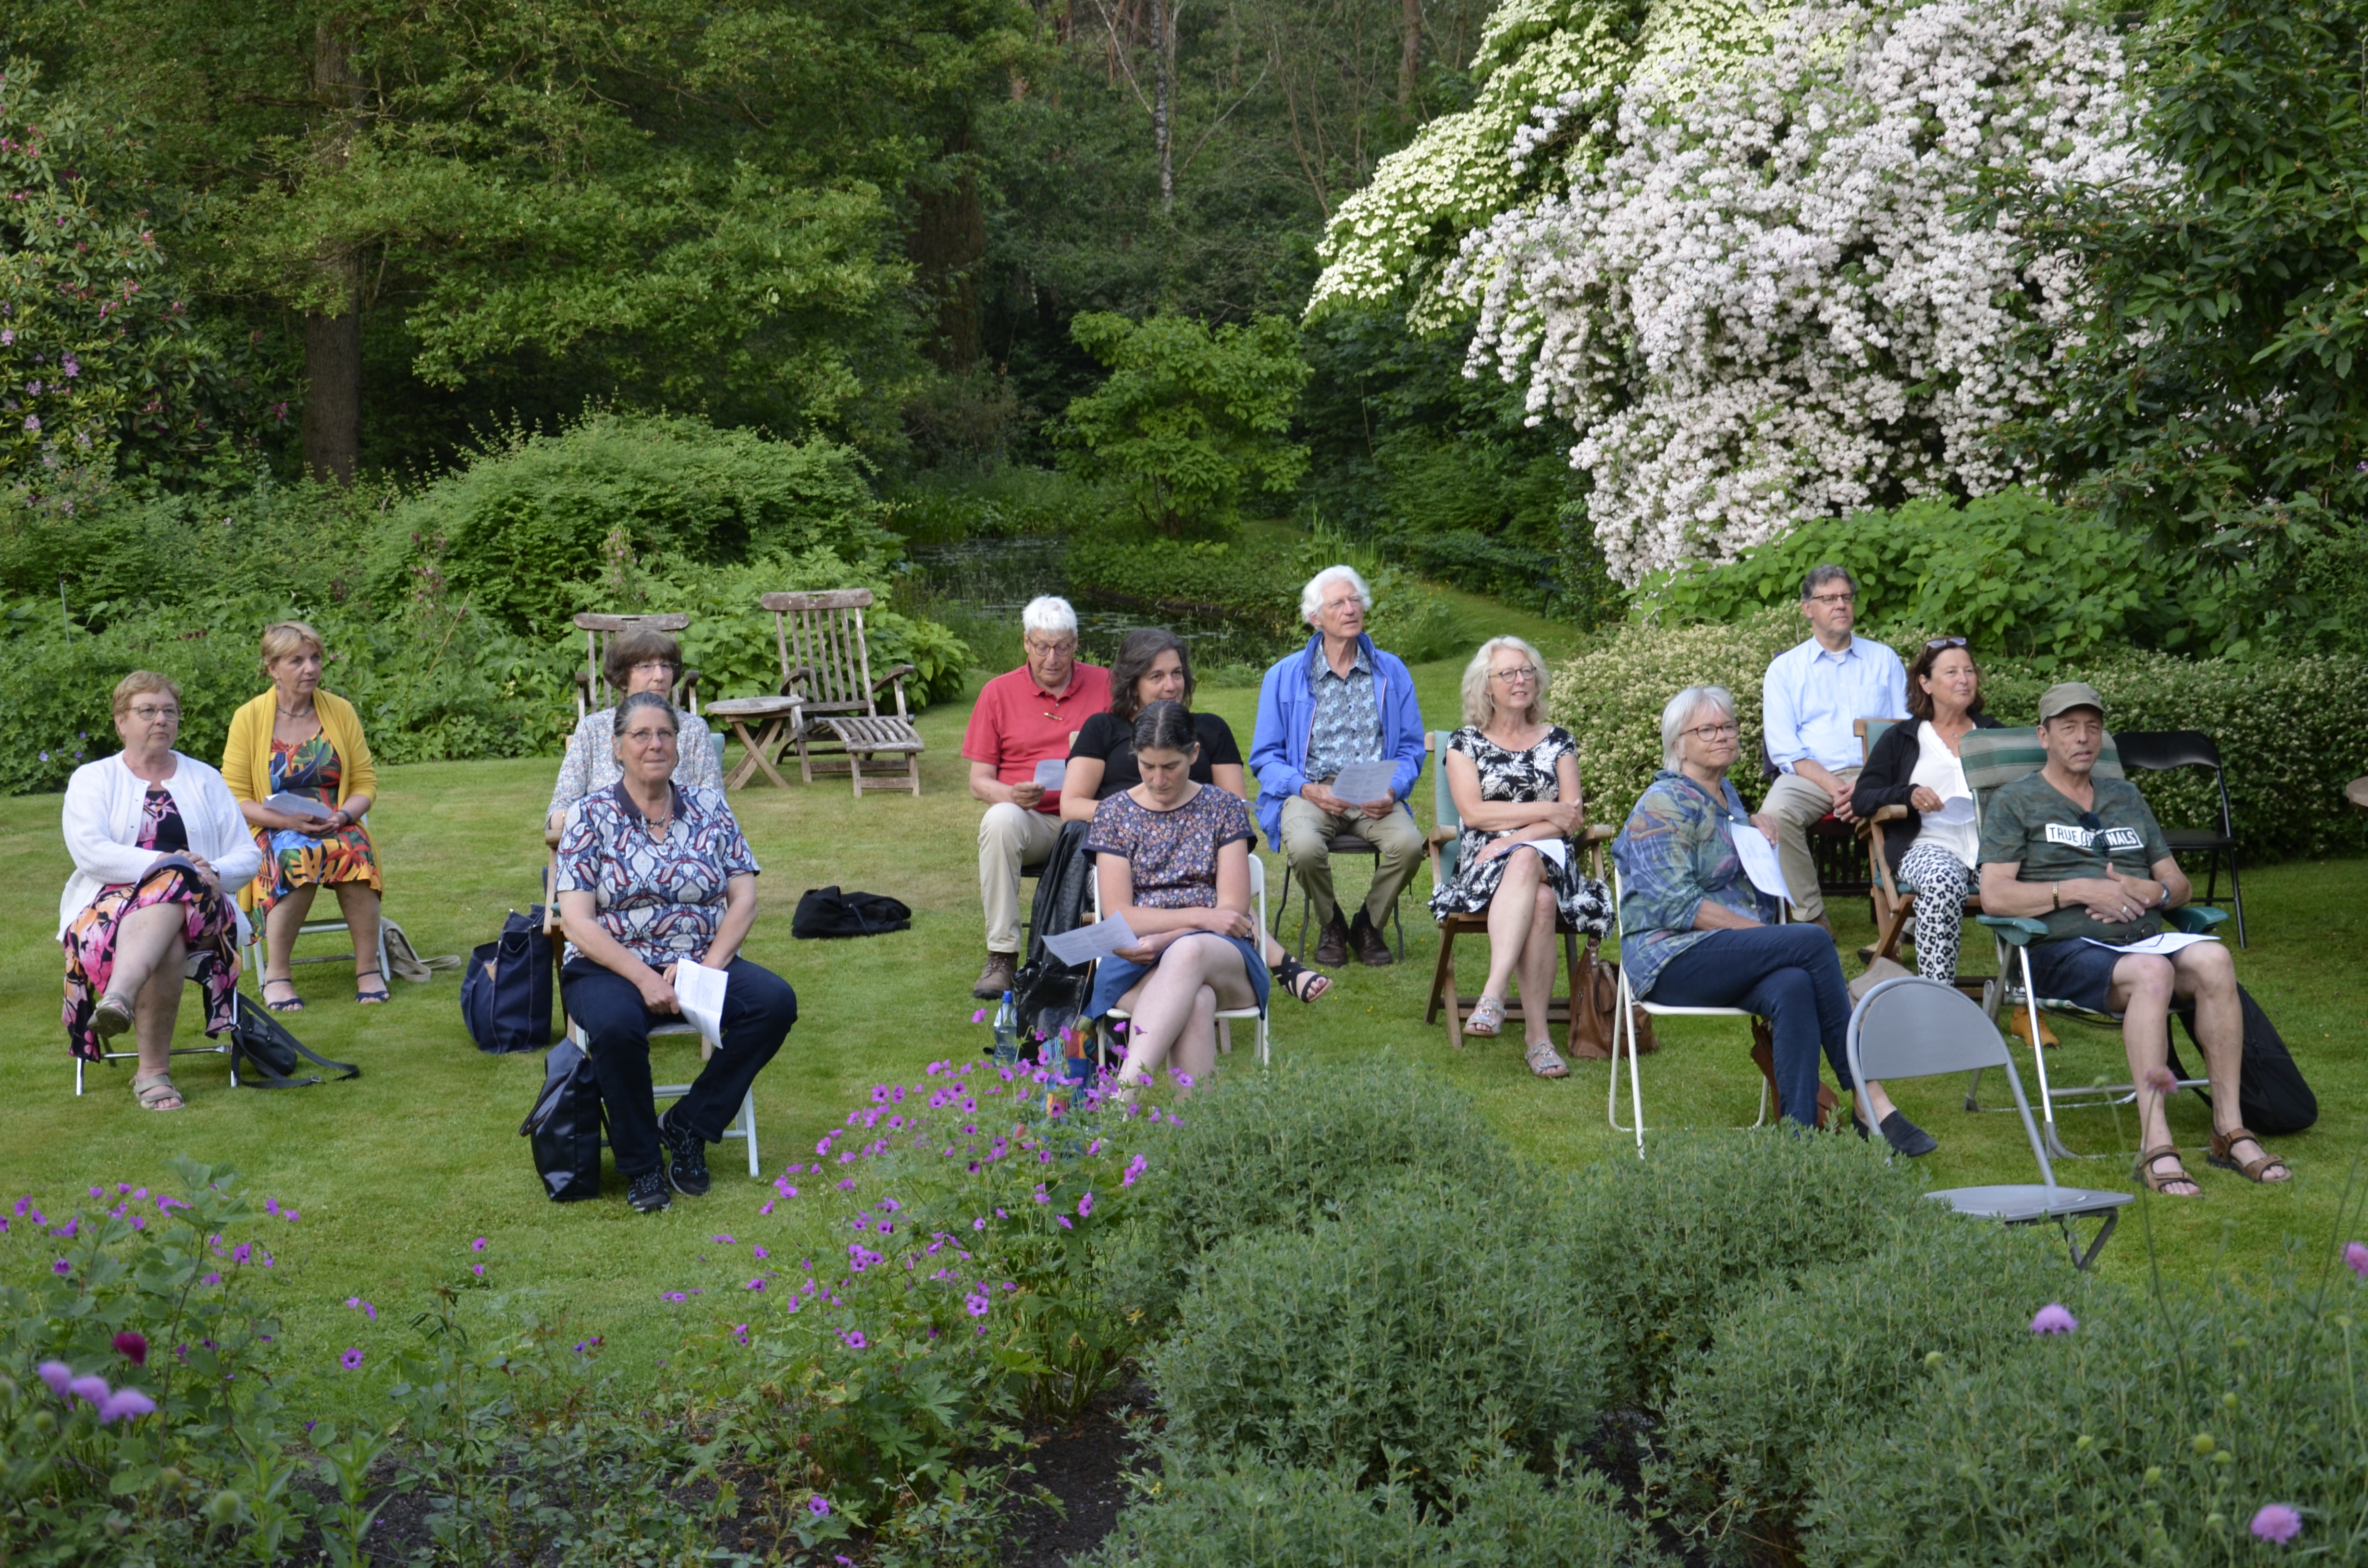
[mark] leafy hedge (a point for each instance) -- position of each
(2285, 727)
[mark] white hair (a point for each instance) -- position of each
(1048, 612)
(1681, 711)
(1311, 597)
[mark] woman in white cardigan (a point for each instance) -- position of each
(155, 837)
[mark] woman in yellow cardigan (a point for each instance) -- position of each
(304, 746)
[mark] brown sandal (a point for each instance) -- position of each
(2158, 1181)
(2223, 1155)
(155, 1092)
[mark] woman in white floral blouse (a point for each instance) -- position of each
(637, 660)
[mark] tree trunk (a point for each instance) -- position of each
(1409, 51)
(332, 340)
(1163, 54)
(947, 245)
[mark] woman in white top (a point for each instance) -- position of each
(156, 838)
(1916, 766)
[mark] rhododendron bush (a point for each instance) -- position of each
(1766, 303)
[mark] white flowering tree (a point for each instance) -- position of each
(1764, 299)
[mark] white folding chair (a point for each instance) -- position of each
(1914, 1027)
(743, 1125)
(219, 1048)
(1225, 1016)
(1625, 1028)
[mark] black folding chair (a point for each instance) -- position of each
(2158, 751)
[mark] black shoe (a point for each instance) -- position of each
(1905, 1138)
(648, 1192)
(1332, 944)
(1372, 948)
(686, 1157)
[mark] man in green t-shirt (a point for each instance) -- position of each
(2086, 855)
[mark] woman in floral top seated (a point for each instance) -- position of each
(1695, 933)
(1173, 857)
(651, 874)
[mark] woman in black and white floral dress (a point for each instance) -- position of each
(1514, 778)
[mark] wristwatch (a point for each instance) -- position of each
(2054, 896)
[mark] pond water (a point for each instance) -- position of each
(979, 587)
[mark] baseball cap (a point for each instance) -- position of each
(2064, 696)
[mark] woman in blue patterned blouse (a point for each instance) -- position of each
(1695, 933)
(651, 874)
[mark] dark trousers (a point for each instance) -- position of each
(758, 1008)
(1789, 975)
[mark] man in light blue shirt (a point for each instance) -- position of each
(1812, 697)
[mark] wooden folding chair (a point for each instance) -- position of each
(834, 719)
(1446, 843)
(592, 687)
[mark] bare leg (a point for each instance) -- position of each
(359, 902)
(159, 1003)
(1195, 1051)
(2205, 973)
(280, 927)
(143, 942)
(1164, 1003)
(1537, 968)
(2142, 989)
(1510, 920)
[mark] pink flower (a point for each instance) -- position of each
(478, 1245)
(2277, 1522)
(132, 1345)
(1085, 1205)
(855, 1340)
(58, 1375)
(2053, 1318)
(2162, 1081)
(2355, 1257)
(478, 1269)
(125, 1403)
(760, 1253)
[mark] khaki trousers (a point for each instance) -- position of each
(1793, 804)
(1009, 839)
(1308, 836)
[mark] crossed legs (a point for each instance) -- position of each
(149, 953)
(1173, 1010)
(1522, 941)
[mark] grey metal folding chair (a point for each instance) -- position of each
(1914, 1027)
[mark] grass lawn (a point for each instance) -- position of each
(395, 1172)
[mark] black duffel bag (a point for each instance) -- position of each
(2272, 1097)
(506, 991)
(825, 913)
(565, 1125)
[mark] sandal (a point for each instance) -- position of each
(1546, 1062)
(2163, 1181)
(368, 998)
(155, 1092)
(1301, 982)
(294, 1004)
(1488, 1017)
(2224, 1155)
(110, 1017)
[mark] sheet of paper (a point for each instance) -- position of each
(1955, 809)
(701, 991)
(1360, 783)
(1555, 849)
(2167, 943)
(1050, 772)
(1101, 940)
(300, 805)
(1758, 857)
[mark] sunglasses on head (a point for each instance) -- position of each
(1944, 643)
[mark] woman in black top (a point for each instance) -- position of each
(1153, 666)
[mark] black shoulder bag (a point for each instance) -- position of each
(272, 1056)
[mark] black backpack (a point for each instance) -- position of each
(825, 913)
(2270, 1095)
(506, 991)
(566, 1125)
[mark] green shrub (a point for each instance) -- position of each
(1792, 1373)
(1432, 1316)
(528, 518)
(1669, 1246)
(1504, 1517)
(1286, 1149)
(2283, 725)
(2153, 1433)
(1011, 501)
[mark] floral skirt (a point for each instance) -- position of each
(208, 925)
(1584, 901)
(292, 860)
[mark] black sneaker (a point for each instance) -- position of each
(648, 1192)
(1905, 1138)
(686, 1157)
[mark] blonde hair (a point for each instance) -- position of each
(283, 638)
(139, 683)
(1480, 703)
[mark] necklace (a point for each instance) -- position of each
(291, 713)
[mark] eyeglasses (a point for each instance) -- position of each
(148, 715)
(2093, 822)
(648, 664)
(643, 737)
(1334, 606)
(1051, 650)
(1515, 675)
(1832, 600)
(1944, 643)
(1714, 732)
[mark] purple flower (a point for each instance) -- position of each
(289, 1214)
(478, 1269)
(125, 1403)
(755, 1284)
(270, 1205)
(1134, 1168)
(58, 1375)
(91, 1388)
(976, 1304)
(241, 1252)
(2162, 1081)
(2053, 1318)
(1085, 1205)
(351, 1360)
(723, 1240)
(478, 1245)
(132, 1345)
(62, 1268)
(855, 1340)
(2278, 1522)
(2355, 1257)
(818, 1505)
(676, 1296)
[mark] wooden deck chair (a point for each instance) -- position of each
(1446, 842)
(592, 687)
(743, 1126)
(826, 669)
(1913, 1027)
(1993, 759)
(1625, 1035)
(1226, 1016)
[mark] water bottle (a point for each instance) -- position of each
(1007, 1034)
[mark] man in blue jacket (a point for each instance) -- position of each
(1341, 702)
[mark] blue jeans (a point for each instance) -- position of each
(1789, 975)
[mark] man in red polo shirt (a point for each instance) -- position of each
(1023, 718)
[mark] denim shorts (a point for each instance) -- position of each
(2073, 971)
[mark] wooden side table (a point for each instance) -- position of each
(772, 714)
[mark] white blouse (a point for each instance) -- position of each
(1940, 770)
(102, 828)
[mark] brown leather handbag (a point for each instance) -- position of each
(1595, 1009)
